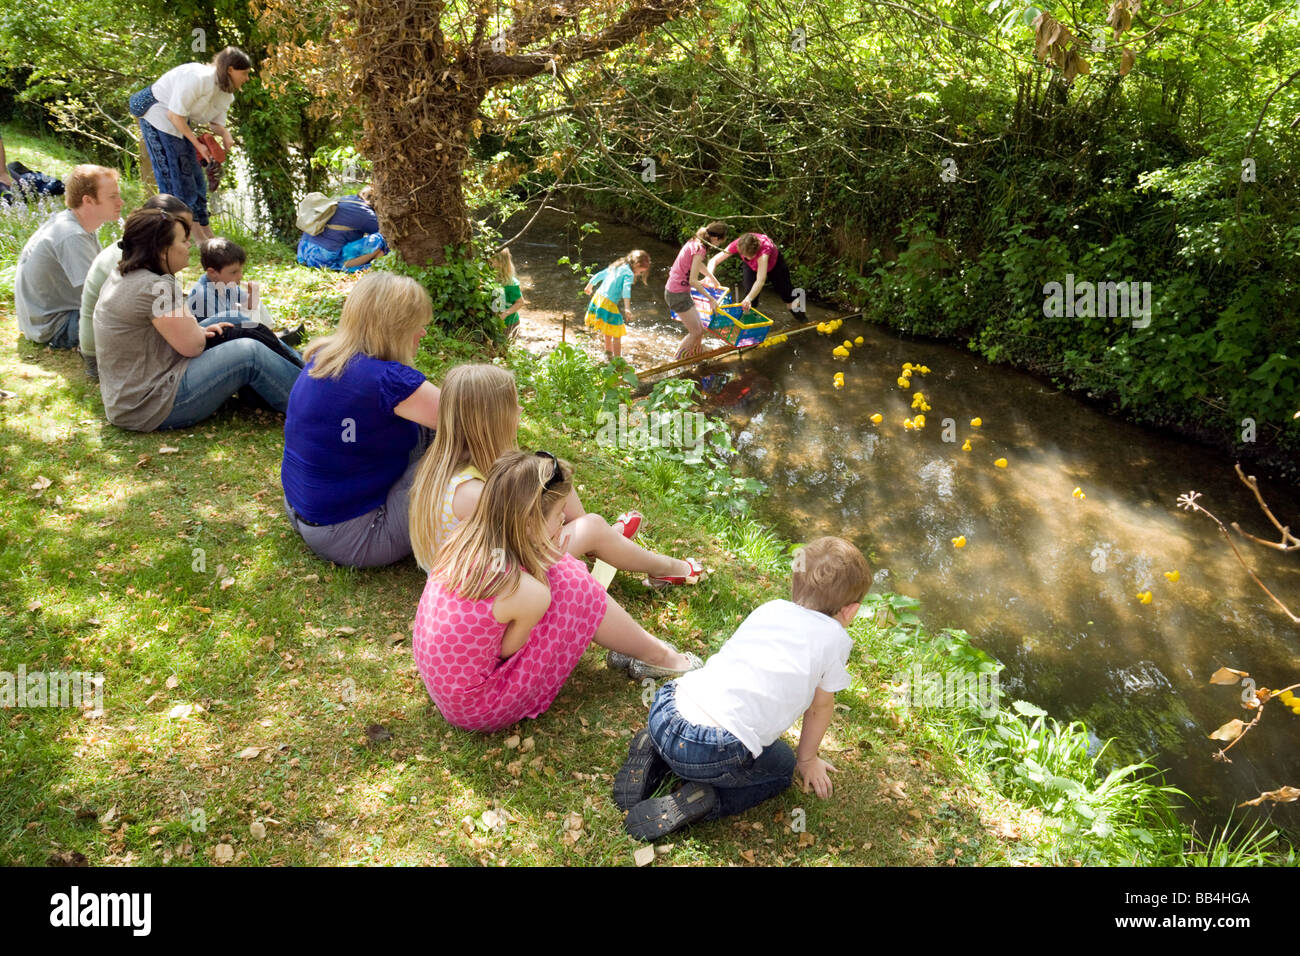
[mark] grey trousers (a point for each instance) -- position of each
(376, 538)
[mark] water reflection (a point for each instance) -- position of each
(1046, 582)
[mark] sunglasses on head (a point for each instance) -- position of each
(556, 476)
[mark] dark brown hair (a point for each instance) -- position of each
(231, 58)
(167, 203)
(716, 231)
(219, 252)
(145, 239)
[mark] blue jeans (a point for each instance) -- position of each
(68, 333)
(211, 378)
(176, 169)
(715, 756)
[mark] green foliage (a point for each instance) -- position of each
(461, 289)
(1125, 816)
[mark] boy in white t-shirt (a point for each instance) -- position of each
(719, 728)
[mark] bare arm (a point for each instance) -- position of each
(718, 260)
(520, 611)
(759, 278)
(421, 406)
(183, 332)
(699, 272)
(465, 500)
(811, 767)
(224, 133)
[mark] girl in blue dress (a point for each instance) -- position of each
(613, 285)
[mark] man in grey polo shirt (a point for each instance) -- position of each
(52, 266)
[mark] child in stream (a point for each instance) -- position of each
(506, 614)
(613, 284)
(478, 417)
(719, 728)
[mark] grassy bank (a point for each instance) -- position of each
(261, 707)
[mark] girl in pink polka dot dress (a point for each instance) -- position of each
(495, 641)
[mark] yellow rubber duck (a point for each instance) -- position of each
(1173, 576)
(924, 369)
(976, 422)
(907, 423)
(907, 366)
(847, 344)
(1001, 463)
(959, 541)
(903, 383)
(859, 340)
(838, 383)
(918, 421)
(1144, 597)
(965, 446)
(1078, 493)
(877, 418)
(840, 352)
(1287, 698)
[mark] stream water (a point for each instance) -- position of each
(1046, 582)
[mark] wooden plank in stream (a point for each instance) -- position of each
(729, 349)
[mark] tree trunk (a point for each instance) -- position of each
(418, 170)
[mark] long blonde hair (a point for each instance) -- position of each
(503, 264)
(477, 419)
(380, 318)
(507, 534)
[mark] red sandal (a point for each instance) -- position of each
(630, 520)
(697, 572)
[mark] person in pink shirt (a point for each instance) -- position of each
(506, 615)
(762, 262)
(689, 272)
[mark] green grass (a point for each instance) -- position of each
(165, 563)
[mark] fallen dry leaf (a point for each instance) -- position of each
(66, 858)
(258, 830)
(747, 855)
(527, 745)
(223, 853)
(248, 753)
(171, 682)
(806, 839)
(644, 855)
(512, 742)
(226, 582)
(168, 450)
(1229, 731)
(1280, 795)
(41, 483)
(182, 710)
(378, 733)
(1227, 675)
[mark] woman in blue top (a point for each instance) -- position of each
(359, 419)
(351, 239)
(614, 284)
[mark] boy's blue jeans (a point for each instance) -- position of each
(715, 756)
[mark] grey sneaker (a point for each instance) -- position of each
(639, 670)
(92, 367)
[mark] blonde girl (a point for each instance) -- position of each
(613, 284)
(510, 297)
(359, 418)
(478, 417)
(506, 613)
